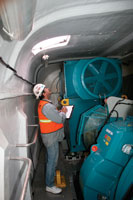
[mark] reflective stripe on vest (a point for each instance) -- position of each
(46, 125)
(45, 120)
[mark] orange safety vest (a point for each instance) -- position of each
(46, 125)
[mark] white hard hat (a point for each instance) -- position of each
(38, 89)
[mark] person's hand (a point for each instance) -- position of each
(64, 109)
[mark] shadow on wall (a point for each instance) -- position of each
(127, 88)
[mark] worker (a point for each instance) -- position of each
(52, 132)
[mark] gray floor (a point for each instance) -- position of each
(68, 168)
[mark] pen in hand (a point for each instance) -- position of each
(64, 109)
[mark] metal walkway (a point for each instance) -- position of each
(69, 169)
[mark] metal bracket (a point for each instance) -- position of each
(27, 174)
(34, 140)
(127, 148)
(8, 33)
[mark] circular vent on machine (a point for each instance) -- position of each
(98, 77)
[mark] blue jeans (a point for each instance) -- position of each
(52, 158)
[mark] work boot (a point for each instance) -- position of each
(54, 190)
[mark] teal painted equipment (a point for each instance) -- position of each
(90, 124)
(125, 185)
(107, 171)
(93, 78)
(80, 106)
(87, 82)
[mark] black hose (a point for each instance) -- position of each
(15, 72)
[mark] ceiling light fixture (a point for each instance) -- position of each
(51, 43)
